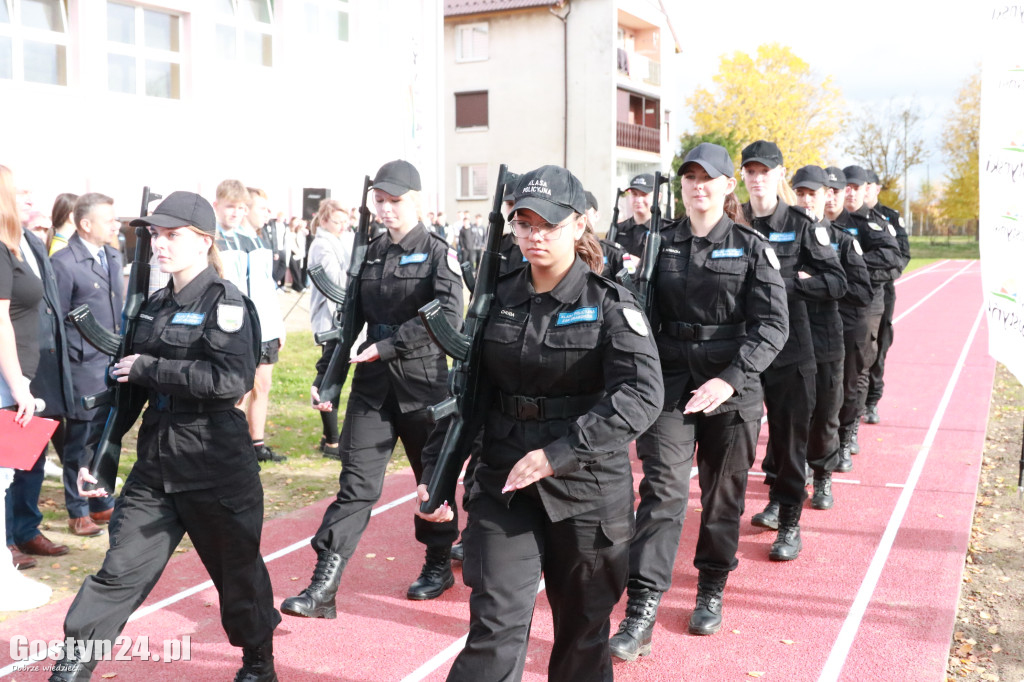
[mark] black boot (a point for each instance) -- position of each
(769, 518)
(317, 600)
(845, 461)
(707, 615)
(822, 498)
(871, 414)
(68, 668)
(854, 445)
(257, 664)
(436, 576)
(787, 546)
(458, 552)
(634, 636)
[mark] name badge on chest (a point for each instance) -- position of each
(412, 258)
(782, 237)
(576, 316)
(727, 253)
(188, 319)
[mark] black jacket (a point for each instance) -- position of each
(630, 236)
(52, 382)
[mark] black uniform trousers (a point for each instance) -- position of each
(789, 395)
(368, 438)
(725, 449)
(823, 438)
(870, 348)
(224, 524)
(583, 560)
(855, 340)
(885, 338)
(80, 440)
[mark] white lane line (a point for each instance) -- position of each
(186, 593)
(932, 293)
(841, 648)
(921, 271)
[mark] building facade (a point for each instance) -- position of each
(575, 83)
(108, 96)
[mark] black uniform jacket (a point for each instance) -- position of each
(723, 280)
(613, 253)
(800, 246)
(512, 257)
(827, 322)
(52, 381)
(397, 280)
(630, 236)
(896, 222)
(881, 251)
(198, 357)
(585, 341)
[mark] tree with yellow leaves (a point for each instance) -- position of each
(960, 143)
(774, 96)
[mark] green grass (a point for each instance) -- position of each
(939, 247)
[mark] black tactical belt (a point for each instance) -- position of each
(161, 402)
(527, 408)
(815, 307)
(379, 332)
(703, 332)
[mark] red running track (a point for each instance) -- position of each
(872, 597)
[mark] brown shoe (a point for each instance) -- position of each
(84, 527)
(21, 561)
(40, 545)
(101, 518)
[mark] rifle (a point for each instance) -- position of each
(348, 318)
(613, 229)
(466, 349)
(647, 275)
(467, 275)
(126, 400)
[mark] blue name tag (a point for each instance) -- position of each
(524, 259)
(605, 260)
(581, 315)
(851, 230)
(727, 253)
(189, 319)
(835, 247)
(412, 258)
(782, 237)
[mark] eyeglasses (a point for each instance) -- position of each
(548, 232)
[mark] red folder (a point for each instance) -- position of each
(20, 446)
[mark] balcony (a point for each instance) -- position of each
(638, 137)
(639, 68)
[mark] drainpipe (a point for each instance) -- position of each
(565, 76)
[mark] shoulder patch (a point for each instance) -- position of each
(230, 317)
(892, 230)
(875, 226)
(856, 247)
(901, 222)
(453, 262)
(773, 258)
(635, 320)
(821, 234)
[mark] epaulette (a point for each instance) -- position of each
(804, 213)
(751, 231)
(439, 238)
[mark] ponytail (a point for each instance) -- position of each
(589, 249)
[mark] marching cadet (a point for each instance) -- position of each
(720, 318)
(612, 253)
(399, 374)
(884, 259)
(572, 370)
(632, 230)
(195, 354)
(811, 272)
(885, 329)
(823, 452)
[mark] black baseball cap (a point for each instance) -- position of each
(397, 177)
(855, 175)
(180, 209)
(642, 183)
(591, 200)
(762, 151)
(551, 192)
(811, 177)
(873, 177)
(713, 158)
(836, 177)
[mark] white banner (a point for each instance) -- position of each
(1001, 176)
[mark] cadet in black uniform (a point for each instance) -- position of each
(632, 230)
(612, 252)
(884, 259)
(811, 272)
(399, 374)
(195, 355)
(572, 371)
(823, 452)
(876, 383)
(720, 318)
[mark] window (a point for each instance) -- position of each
(143, 51)
(471, 42)
(327, 18)
(471, 109)
(472, 181)
(34, 40)
(245, 31)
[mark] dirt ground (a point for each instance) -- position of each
(988, 642)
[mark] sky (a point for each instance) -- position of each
(874, 50)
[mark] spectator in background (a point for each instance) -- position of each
(39, 225)
(88, 272)
(266, 229)
(62, 223)
(295, 243)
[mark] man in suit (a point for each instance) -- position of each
(88, 272)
